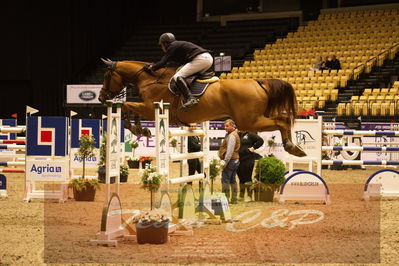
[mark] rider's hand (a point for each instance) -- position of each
(147, 67)
(251, 149)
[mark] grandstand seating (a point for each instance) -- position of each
(359, 39)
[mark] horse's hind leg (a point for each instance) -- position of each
(268, 124)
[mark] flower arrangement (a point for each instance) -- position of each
(149, 216)
(123, 170)
(134, 158)
(81, 183)
(146, 158)
(150, 180)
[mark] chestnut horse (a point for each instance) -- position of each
(255, 106)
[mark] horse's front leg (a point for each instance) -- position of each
(137, 109)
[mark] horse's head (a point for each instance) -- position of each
(113, 83)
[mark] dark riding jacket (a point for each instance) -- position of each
(180, 52)
(249, 140)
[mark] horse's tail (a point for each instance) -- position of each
(281, 99)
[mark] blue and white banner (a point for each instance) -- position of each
(47, 136)
(8, 123)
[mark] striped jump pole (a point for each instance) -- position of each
(18, 129)
(358, 162)
(12, 170)
(12, 163)
(359, 133)
(12, 141)
(12, 147)
(360, 148)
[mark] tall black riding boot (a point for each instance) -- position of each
(183, 88)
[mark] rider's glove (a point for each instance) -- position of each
(147, 67)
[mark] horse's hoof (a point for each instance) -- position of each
(293, 149)
(147, 133)
(296, 151)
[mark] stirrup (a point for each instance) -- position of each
(189, 103)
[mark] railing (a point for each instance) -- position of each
(377, 58)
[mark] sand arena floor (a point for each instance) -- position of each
(351, 230)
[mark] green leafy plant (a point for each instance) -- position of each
(103, 151)
(215, 168)
(86, 149)
(150, 180)
(270, 170)
(134, 144)
(269, 174)
(173, 142)
(81, 183)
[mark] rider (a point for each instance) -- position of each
(194, 59)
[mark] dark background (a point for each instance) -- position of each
(46, 45)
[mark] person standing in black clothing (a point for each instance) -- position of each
(250, 141)
(194, 145)
(193, 59)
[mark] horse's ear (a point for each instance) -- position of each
(109, 63)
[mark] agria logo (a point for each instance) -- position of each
(303, 137)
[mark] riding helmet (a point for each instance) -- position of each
(167, 37)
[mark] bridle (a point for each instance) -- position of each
(107, 92)
(111, 95)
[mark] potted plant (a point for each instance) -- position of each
(269, 175)
(150, 180)
(146, 160)
(215, 168)
(123, 172)
(84, 189)
(152, 226)
(133, 162)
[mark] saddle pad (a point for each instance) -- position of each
(197, 88)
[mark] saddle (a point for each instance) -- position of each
(197, 83)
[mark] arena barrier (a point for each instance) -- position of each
(186, 203)
(47, 159)
(307, 134)
(112, 224)
(10, 144)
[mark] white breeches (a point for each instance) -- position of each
(199, 64)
